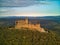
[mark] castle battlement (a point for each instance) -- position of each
(25, 24)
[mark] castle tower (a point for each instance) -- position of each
(26, 20)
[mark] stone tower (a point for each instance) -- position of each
(26, 20)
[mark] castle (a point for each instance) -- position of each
(26, 24)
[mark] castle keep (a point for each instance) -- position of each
(26, 24)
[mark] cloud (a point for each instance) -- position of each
(21, 3)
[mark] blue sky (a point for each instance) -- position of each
(29, 8)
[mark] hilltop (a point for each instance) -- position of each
(47, 22)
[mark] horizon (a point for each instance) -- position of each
(28, 16)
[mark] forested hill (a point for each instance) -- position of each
(28, 37)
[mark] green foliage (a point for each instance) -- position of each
(27, 37)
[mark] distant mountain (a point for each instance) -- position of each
(22, 17)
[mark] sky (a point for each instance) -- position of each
(29, 8)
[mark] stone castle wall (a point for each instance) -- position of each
(24, 24)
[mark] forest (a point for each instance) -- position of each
(28, 37)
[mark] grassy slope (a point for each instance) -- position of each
(27, 37)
